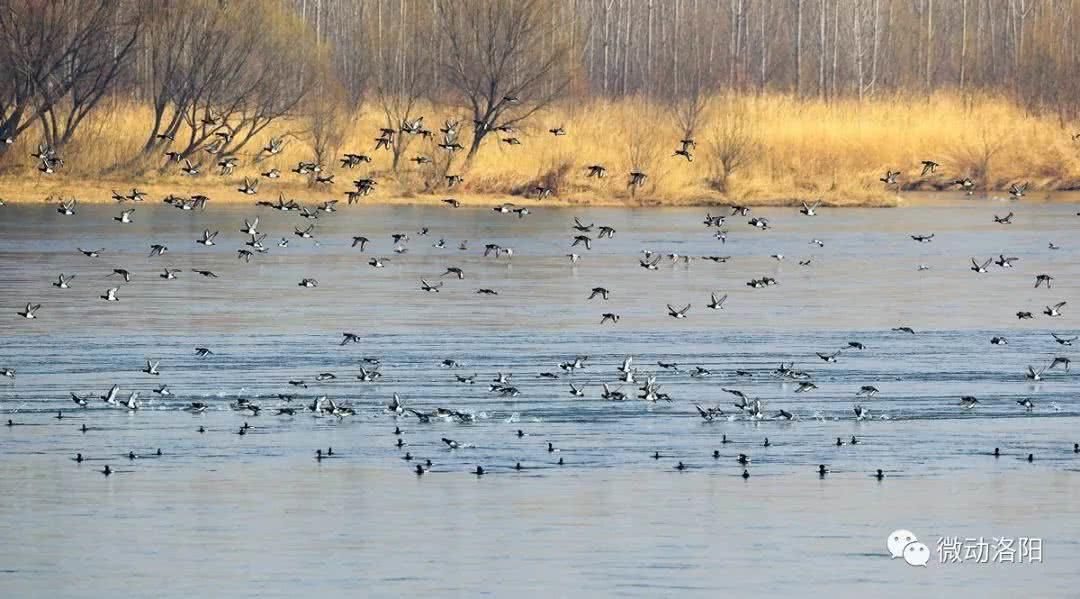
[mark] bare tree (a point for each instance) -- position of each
(976, 156)
(503, 59)
(224, 70)
(690, 109)
(92, 69)
(188, 50)
(643, 157)
(329, 114)
(58, 60)
(404, 77)
(732, 144)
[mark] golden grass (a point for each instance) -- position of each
(801, 150)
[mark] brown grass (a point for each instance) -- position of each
(801, 150)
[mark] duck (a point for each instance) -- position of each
(716, 303)
(678, 313)
(64, 282)
(30, 312)
(830, 358)
(1033, 374)
(980, 268)
(1055, 310)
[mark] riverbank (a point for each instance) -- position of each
(225, 190)
(43, 189)
(750, 149)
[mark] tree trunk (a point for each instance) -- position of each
(857, 36)
(874, 48)
(929, 42)
(764, 47)
(963, 42)
(607, 43)
(835, 45)
(823, 9)
(649, 49)
(626, 45)
(675, 47)
(798, 47)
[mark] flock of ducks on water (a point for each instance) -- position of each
(582, 239)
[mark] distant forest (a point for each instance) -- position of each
(215, 74)
(824, 48)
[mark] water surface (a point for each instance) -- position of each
(256, 514)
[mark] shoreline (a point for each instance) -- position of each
(42, 189)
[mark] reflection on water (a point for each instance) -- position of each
(611, 518)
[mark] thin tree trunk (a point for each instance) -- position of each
(857, 36)
(764, 47)
(929, 41)
(798, 47)
(963, 43)
(626, 45)
(874, 48)
(835, 45)
(649, 50)
(823, 10)
(675, 47)
(607, 40)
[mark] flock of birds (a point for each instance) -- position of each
(222, 134)
(582, 237)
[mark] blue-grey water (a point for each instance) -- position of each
(255, 514)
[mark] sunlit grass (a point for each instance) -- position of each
(803, 150)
